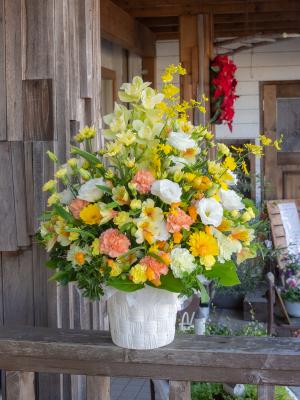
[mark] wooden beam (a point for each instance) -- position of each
(156, 21)
(258, 26)
(119, 27)
(253, 32)
(167, 35)
(256, 17)
(157, 8)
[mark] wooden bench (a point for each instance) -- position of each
(263, 361)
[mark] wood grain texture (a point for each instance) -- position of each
(20, 203)
(20, 385)
(13, 62)
(98, 388)
(37, 31)
(2, 73)
(265, 392)
(8, 232)
(85, 11)
(38, 109)
(269, 360)
(180, 390)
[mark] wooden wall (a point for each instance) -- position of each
(50, 75)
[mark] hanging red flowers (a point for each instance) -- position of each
(223, 88)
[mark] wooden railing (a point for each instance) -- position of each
(256, 360)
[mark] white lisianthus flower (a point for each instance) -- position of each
(163, 234)
(149, 98)
(231, 200)
(182, 261)
(181, 141)
(89, 190)
(66, 196)
(234, 180)
(169, 192)
(179, 162)
(210, 211)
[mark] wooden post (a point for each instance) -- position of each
(265, 392)
(97, 388)
(189, 56)
(20, 385)
(180, 390)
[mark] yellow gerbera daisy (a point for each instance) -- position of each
(90, 214)
(202, 244)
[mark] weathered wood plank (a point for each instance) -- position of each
(38, 43)
(38, 109)
(13, 53)
(180, 390)
(74, 59)
(98, 388)
(2, 73)
(18, 167)
(20, 385)
(265, 392)
(17, 288)
(269, 360)
(85, 47)
(8, 233)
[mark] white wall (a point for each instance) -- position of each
(276, 61)
(112, 58)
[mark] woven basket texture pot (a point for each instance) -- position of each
(144, 319)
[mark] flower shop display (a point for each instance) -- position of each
(291, 291)
(149, 216)
(223, 87)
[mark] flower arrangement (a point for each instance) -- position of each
(291, 291)
(150, 208)
(223, 90)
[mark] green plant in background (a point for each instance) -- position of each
(291, 294)
(215, 391)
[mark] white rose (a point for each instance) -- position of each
(89, 190)
(182, 262)
(168, 191)
(231, 200)
(181, 141)
(210, 211)
(66, 196)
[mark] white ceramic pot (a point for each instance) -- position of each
(144, 319)
(293, 308)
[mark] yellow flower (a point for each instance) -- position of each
(113, 148)
(61, 173)
(138, 274)
(85, 174)
(277, 144)
(54, 198)
(235, 214)
(170, 90)
(52, 156)
(245, 168)
(239, 150)
(225, 225)
(165, 148)
(223, 149)
(116, 270)
(130, 162)
(126, 138)
(88, 132)
(90, 214)
(242, 234)
(215, 168)
(265, 140)
(49, 185)
(245, 254)
(120, 195)
(189, 177)
(167, 77)
(73, 236)
(254, 149)
(122, 218)
(208, 261)
(95, 247)
(72, 162)
(202, 244)
(136, 204)
(230, 163)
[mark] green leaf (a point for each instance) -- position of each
(124, 285)
(86, 155)
(170, 283)
(60, 276)
(52, 264)
(105, 189)
(203, 294)
(225, 273)
(63, 213)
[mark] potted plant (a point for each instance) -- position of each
(144, 218)
(291, 291)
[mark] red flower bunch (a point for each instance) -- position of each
(223, 90)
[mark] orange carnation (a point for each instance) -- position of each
(178, 219)
(154, 269)
(76, 206)
(114, 243)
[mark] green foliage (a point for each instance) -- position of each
(215, 391)
(225, 273)
(291, 294)
(123, 284)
